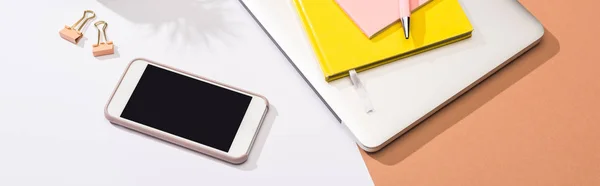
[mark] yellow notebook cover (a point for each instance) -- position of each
(341, 46)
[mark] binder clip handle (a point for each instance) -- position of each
(103, 30)
(85, 18)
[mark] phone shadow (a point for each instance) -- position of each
(259, 142)
(255, 151)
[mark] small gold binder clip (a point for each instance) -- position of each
(102, 48)
(73, 35)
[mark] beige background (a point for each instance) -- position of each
(536, 122)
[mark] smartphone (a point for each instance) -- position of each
(187, 110)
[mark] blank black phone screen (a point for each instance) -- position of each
(186, 107)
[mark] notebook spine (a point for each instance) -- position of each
(313, 40)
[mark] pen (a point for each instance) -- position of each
(405, 16)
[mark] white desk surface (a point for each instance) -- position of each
(53, 131)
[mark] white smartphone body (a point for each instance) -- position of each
(187, 110)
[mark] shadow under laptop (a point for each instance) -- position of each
(464, 105)
(255, 151)
(190, 22)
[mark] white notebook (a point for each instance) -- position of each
(405, 92)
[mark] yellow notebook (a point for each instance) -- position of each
(341, 46)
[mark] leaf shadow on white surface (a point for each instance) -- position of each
(189, 21)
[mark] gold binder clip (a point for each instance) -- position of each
(73, 35)
(102, 48)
